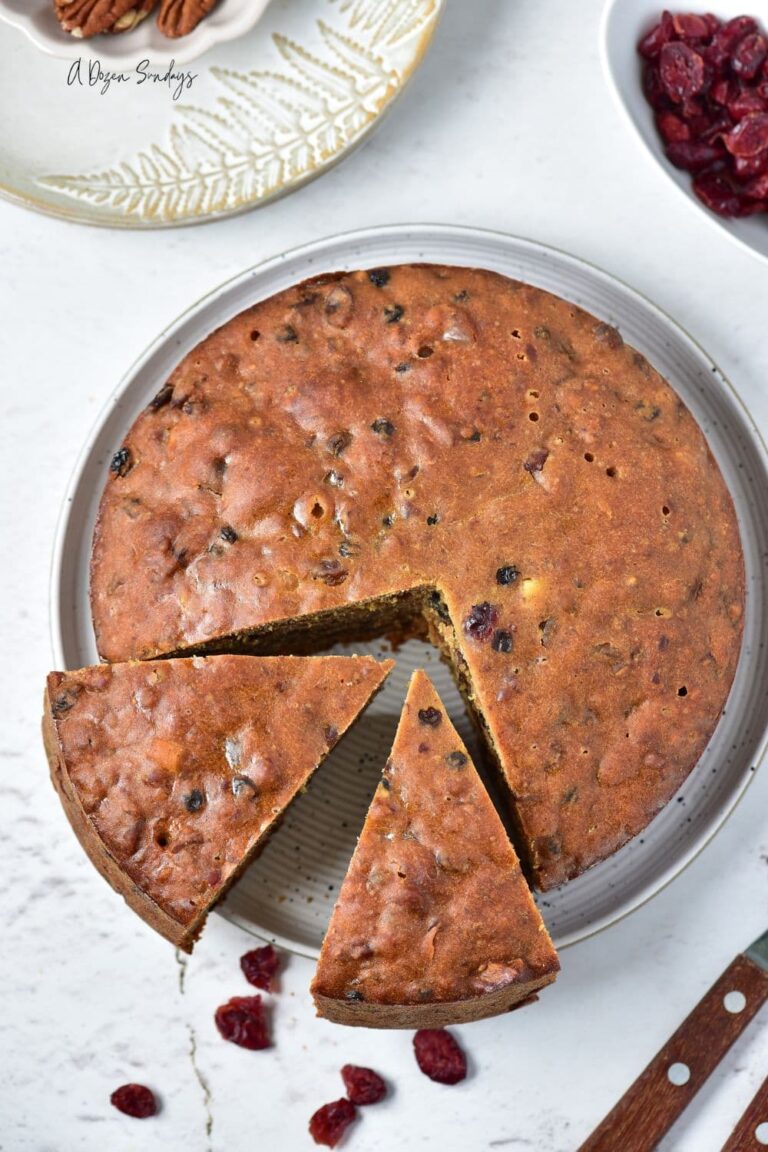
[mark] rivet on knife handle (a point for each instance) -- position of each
(744, 1137)
(661, 1093)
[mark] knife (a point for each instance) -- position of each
(662, 1092)
(744, 1137)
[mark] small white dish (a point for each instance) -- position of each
(624, 23)
(36, 18)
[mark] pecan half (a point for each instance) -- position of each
(133, 16)
(85, 18)
(179, 17)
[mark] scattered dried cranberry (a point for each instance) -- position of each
(439, 1056)
(481, 620)
(241, 1020)
(330, 1122)
(363, 1085)
(259, 966)
(134, 1100)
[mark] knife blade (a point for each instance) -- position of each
(649, 1108)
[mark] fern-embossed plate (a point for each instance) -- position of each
(262, 115)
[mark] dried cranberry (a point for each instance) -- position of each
(757, 188)
(681, 71)
(671, 128)
(536, 461)
(330, 1122)
(746, 101)
(241, 1020)
(749, 55)
(750, 135)
(693, 155)
(134, 1100)
(724, 91)
(439, 1056)
(654, 92)
(714, 190)
(122, 462)
(652, 43)
(502, 641)
(747, 167)
(690, 26)
(430, 716)
(363, 1085)
(726, 38)
(259, 966)
(507, 574)
(481, 621)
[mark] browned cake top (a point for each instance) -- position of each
(446, 429)
(182, 766)
(434, 906)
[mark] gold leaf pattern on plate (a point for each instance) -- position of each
(268, 130)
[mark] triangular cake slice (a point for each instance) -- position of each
(174, 772)
(434, 923)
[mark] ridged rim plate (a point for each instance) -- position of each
(287, 894)
(263, 114)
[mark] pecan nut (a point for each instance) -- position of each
(133, 16)
(85, 18)
(179, 17)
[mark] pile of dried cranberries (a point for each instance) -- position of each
(707, 82)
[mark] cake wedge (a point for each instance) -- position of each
(173, 773)
(434, 923)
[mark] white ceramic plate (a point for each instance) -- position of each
(625, 22)
(262, 115)
(287, 894)
(37, 20)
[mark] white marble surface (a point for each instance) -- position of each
(508, 125)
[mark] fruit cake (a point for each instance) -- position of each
(445, 444)
(173, 773)
(435, 923)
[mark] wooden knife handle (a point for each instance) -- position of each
(743, 1138)
(650, 1107)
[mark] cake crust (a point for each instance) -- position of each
(174, 773)
(456, 443)
(435, 923)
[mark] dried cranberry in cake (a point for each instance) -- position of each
(242, 1021)
(134, 1100)
(330, 1122)
(260, 966)
(439, 1056)
(363, 1085)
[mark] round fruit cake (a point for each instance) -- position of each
(371, 448)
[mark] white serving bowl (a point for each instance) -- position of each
(36, 18)
(624, 23)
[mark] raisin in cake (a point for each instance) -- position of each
(446, 443)
(435, 923)
(174, 772)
